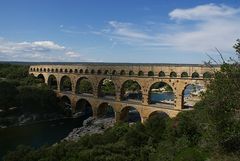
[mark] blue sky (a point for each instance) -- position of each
(144, 31)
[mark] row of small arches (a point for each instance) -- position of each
(122, 72)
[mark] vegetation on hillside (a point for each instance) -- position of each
(23, 94)
(210, 132)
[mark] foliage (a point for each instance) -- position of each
(8, 92)
(210, 132)
(107, 87)
(85, 87)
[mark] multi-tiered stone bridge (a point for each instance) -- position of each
(177, 76)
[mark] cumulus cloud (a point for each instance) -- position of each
(210, 26)
(204, 12)
(37, 51)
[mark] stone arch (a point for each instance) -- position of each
(207, 75)
(44, 69)
(70, 70)
(99, 72)
(61, 70)
(131, 73)
(56, 70)
(105, 110)
(161, 92)
(81, 71)
(140, 73)
(150, 73)
(195, 75)
(161, 74)
(65, 83)
(52, 82)
(83, 109)
(40, 69)
(131, 90)
(37, 69)
(158, 114)
(122, 72)
(84, 86)
(48, 70)
(106, 88)
(114, 72)
(66, 99)
(86, 71)
(173, 74)
(52, 70)
(130, 114)
(65, 70)
(106, 72)
(75, 71)
(41, 78)
(184, 74)
(65, 102)
(92, 71)
(191, 94)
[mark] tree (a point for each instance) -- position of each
(8, 91)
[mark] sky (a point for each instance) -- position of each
(132, 31)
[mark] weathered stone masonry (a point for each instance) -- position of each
(145, 74)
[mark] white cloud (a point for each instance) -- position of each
(211, 26)
(204, 12)
(127, 30)
(37, 51)
(72, 54)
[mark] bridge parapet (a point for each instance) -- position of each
(175, 75)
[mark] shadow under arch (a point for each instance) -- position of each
(52, 82)
(160, 114)
(105, 110)
(41, 78)
(65, 103)
(131, 91)
(84, 86)
(83, 109)
(130, 114)
(161, 93)
(65, 84)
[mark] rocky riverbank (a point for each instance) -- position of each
(90, 126)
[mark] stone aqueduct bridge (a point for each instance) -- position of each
(145, 74)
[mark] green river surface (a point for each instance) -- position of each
(37, 134)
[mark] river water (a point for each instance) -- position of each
(36, 135)
(50, 132)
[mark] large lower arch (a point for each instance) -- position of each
(106, 88)
(52, 82)
(192, 94)
(65, 102)
(84, 86)
(161, 92)
(131, 90)
(130, 114)
(41, 78)
(83, 109)
(65, 84)
(160, 114)
(105, 110)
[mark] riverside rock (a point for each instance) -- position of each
(90, 126)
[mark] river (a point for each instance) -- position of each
(36, 135)
(50, 132)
